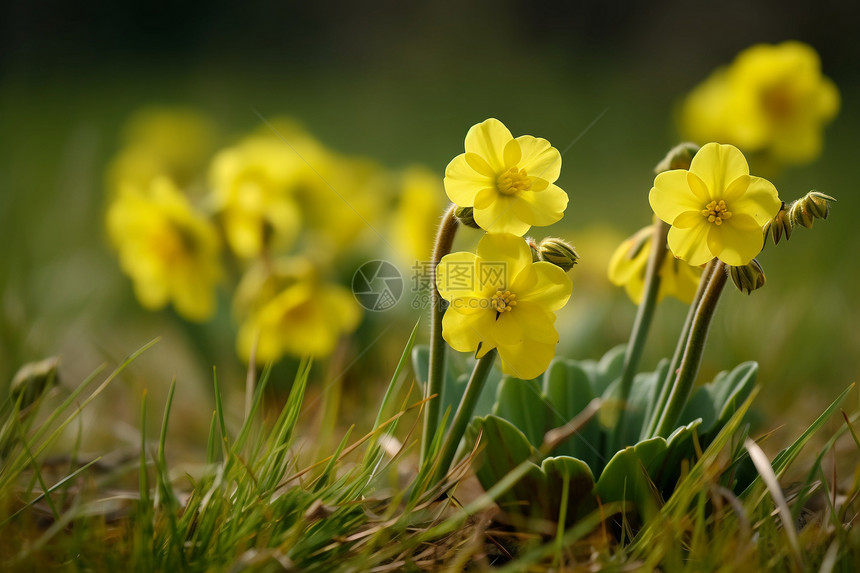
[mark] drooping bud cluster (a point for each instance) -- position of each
(803, 212)
(813, 205)
(557, 252)
(749, 277)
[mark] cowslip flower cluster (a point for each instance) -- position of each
(772, 98)
(499, 298)
(715, 209)
(286, 307)
(509, 183)
(629, 261)
(273, 194)
(170, 251)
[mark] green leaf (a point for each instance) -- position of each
(521, 403)
(627, 476)
(716, 402)
(581, 500)
(568, 390)
(601, 374)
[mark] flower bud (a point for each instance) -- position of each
(679, 157)
(778, 226)
(34, 379)
(749, 277)
(818, 204)
(558, 252)
(465, 217)
(533, 247)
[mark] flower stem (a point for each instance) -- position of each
(660, 403)
(644, 315)
(464, 413)
(693, 351)
(436, 368)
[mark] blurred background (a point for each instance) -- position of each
(401, 83)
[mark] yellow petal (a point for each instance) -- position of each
(718, 165)
(512, 154)
(499, 217)
(463, 332)
(539, 158)
(671, 195)
(691, 244)
(488, 139)
(761, 201)
(527, 321)
(738, 243)
(552, 288)
(526, 360)
(541, 208)
(462, 182)
(456, 276)
(502, 257)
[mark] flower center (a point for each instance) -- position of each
(503, 301)
(513, 181)
(717, 212)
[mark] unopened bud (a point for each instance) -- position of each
(778, 226)
(32, 380)
(466, 217)
(748, 277)
(679, 157)
(533, 247)
(558, 252)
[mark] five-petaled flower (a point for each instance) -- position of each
(716, 209)
(510, 305)
(509, 182)
(630, 260)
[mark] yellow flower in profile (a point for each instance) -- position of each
(773, 98)
(500, 299)
(289, 310)
(509, 182)
(716, 209)
(169, 250)
(417, 214)
(252, 185)
(629, 261)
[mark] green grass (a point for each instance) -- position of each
(257, 504)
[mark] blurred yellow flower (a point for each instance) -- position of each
(252, 185)
(172, 142)
(500, 299)
(169, 250)
(716, 209)
(509, 182)
(772, 98)
(416, 216)
(629, 261)
(289, 310)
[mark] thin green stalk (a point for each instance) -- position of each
(693, 351)
(666, 386)
(436, 371)
(644, 316)
(464, 413)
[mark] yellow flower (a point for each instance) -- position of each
(771, 98)
(629, 261)
(169, 250)
(500, 299)
(290, 310)
(716, 209)
(252, 184)
(417, 214)
(173, 142)
(509, 182)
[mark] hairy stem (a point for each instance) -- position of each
(436, 372)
